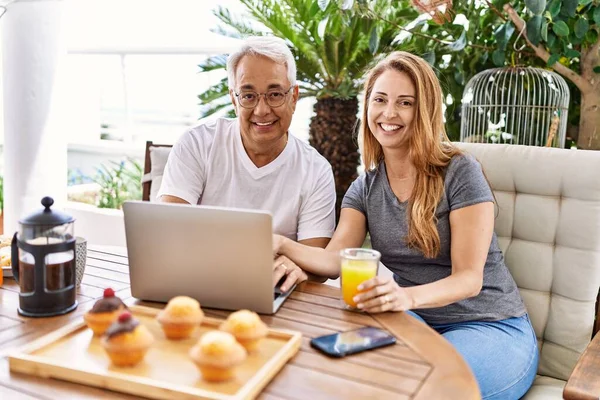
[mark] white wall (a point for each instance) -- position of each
(87, 158)
(100, 226)
(34, 136)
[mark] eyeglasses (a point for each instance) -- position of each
(274, 98)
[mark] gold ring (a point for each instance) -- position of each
(283, 265)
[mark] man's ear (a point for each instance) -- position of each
(295, 97)
(232, 97)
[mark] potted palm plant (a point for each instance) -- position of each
(334, 43)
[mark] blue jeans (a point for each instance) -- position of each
(503, 355)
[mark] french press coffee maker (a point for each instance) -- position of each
(43, 262)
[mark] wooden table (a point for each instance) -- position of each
(422, 365)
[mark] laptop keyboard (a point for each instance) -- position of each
(277, 290)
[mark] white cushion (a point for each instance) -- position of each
(548, 226)
(545, 388)
(158, 161)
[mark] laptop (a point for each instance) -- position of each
(222, 257)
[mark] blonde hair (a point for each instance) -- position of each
(430, 150)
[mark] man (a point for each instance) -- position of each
(252, 161)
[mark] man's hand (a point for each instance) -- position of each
(283, 266)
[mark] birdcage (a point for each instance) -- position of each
(439, 10)
(517, 105)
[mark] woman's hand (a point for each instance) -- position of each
(283, 266)
(382, 294)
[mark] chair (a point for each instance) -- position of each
(154, 165)
(548, 226)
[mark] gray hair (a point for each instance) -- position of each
(271, 47)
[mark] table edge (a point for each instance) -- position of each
(451, 373)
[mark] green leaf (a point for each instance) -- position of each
(551, 39)
(459, 77)
(235, 27)
(374, 41)
(503, 34)
(429, 57)
(597, 69)
(561, 29)
(591, 36)
(510, 29)
(553, 59)
(498, 57)
(544, 31)
(459, 44)
(347, 4)
(534, 27)
(213, 63)
(554, 8)
(485, 57)
(572, 53)
(314, 10)
(500, 36)
(575, 41)
(323, 4)
(536, 6)
(474, 60)
(210, 109)
(570, 7)
(584, 3)
(596, 15)
(581, 27)
(215, 92)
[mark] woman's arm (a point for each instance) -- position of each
(471, 230)
(350, 232)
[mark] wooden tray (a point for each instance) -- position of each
(73, 354)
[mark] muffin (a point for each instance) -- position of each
(247, 327)
(105, 312)
(216, 355)
(5, 254)
(180, 317)
(126, 341)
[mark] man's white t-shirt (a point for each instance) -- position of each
(209, 166)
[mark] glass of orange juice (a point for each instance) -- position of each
(358, 265)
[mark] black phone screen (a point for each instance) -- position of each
(350, 342)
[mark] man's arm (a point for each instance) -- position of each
(183, 179)
(321, 242)
(318, 216)
(316, 222)
(165, 198)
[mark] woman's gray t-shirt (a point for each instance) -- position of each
(387, 223)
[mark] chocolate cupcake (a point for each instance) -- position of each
(126, 341)
(104, 312)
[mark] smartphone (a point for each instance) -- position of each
(344, 343)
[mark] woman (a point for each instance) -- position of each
(430, 212)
